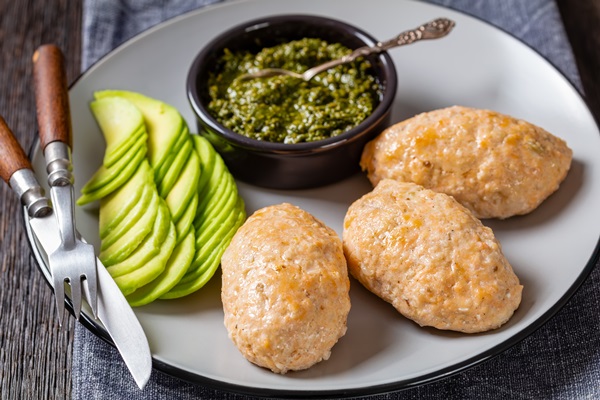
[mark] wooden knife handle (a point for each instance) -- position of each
(52, 96)
(12, 156)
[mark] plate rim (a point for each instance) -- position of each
(456, 368)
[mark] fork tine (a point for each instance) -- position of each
(76, 295)
(59, 296)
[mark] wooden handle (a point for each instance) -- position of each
(52, 96)
(12, 156)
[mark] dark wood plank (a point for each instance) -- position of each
(35, 354)
(582, 22)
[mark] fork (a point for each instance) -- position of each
(73, 261)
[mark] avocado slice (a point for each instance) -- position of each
(118, 119)
(149, 248)
(163, 122)
(129, 221)
(210, 222)
(105, 175)
(139, 277)
(118, 204)
(161, 170)
(199, 277)
(185, 188)
(186, 221)
(206, 247)
(207, 156)
(215, 199)
(176, 267)
(126, 244)
(170, 177)
(117, 182)
(119, 151)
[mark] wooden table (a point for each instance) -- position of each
(35, 354)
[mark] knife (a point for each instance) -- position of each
(114, 312)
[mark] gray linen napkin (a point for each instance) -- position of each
(560, 360)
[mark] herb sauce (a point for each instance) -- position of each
(286, 109)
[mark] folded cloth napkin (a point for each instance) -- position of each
(560, 360)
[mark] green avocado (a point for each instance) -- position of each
(207, 224)
(118, 204)
(185, 187)
(186, 221)
(170, 177)
(105, 175)
(126, 244)
(163, 122)
(118, 119)
(140, 209)
(204, 268)
(175, 268)
(119, 180)
(169, 207)
(161, 170)
(149, 248)
(118, 152)
(128, 283)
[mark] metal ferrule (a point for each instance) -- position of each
(25, 184)
(58, 164)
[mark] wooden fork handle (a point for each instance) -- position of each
(52, 96)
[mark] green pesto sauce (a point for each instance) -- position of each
(289, 110)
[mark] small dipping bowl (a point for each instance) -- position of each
(280, 165)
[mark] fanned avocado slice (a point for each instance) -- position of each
(163, 122)
(126, 244)
(117, 182)
(118, 204)
(118, 119)
(139, 277)
(149, 248)
(176, 267)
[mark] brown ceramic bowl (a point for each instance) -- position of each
(279, 165)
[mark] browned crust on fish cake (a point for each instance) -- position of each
(430, 258)
(493, 164)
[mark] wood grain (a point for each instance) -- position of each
(35, 354)
(582, 22)
(51, 95)
(12, 156)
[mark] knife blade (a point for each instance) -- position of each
(114, 312)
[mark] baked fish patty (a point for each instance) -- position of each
(285, 289)
(493, 164)
(430, 258)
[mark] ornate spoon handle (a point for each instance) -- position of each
(435, 29)
(432, 30)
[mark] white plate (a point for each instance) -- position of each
(552, 249)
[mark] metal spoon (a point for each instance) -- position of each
(431, 30)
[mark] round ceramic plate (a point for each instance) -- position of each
(552, 249)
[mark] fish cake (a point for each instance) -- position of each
(285, 289)
(430, 258)
(493, 164)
